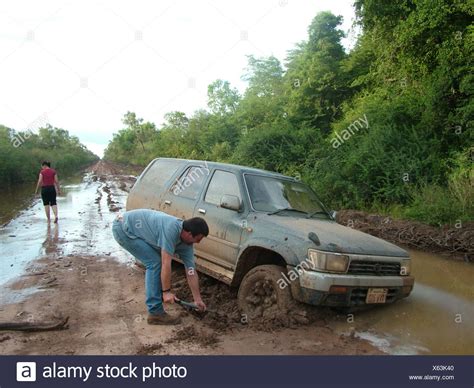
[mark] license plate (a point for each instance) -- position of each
(376, 295)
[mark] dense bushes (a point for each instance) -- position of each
(21, 153)
(450, 201)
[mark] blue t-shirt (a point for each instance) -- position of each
(160, 230)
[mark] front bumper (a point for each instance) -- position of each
(327, 289)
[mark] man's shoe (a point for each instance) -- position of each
(163, 319)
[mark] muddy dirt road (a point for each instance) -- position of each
(76, 270)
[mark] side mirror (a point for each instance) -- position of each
(333, 214)
(230, 202)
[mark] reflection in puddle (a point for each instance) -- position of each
(50, 244)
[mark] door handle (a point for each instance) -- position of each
(202, 211)
(167, 202)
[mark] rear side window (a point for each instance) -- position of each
(222, 182)
(190, 184)
(160, 172)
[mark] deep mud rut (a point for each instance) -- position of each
(79, 272)
(452, 241)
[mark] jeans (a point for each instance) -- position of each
(151, 259)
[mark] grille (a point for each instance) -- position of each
(377, 268)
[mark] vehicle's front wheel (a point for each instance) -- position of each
(260, 295)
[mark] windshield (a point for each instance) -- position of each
(273, 194)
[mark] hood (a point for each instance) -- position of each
(333, 236)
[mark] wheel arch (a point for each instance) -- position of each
(253, 256)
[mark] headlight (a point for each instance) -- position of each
(331, 262)
(405, 267)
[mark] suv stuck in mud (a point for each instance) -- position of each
(271, 237)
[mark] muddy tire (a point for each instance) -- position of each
(260, 296)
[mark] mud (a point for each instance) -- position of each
(146, 350)
(81, 273)
(104, 300)
(223, 314)
(452, 241)
(189, 334)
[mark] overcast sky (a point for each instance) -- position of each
(81, 65)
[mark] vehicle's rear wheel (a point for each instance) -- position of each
(261, 297)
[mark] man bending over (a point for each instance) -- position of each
(154, 237)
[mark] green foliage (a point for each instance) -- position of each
(222, 99)
(434, 205)
(21, 153)
(409, 75)
(314, 81)
(378, 163)
(275, 148)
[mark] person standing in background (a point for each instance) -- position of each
(48, 180)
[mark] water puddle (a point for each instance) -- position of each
(437, 318)
(84, 228)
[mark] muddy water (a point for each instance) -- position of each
(437, 318)
(83, 229)
(15, 200)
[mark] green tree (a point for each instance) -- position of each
(21, 153)
(222, 99)
(314, 80)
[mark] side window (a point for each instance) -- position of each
(190, 184)
(222, 183)
(159, 173)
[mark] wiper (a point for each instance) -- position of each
(317, 212)
(287, 208)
